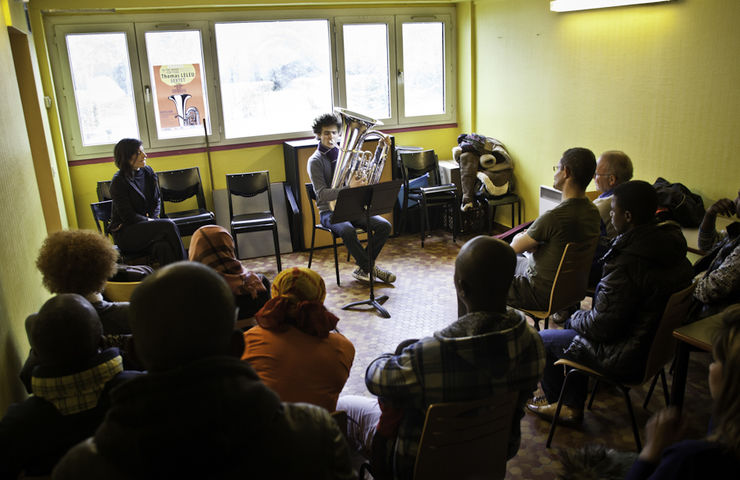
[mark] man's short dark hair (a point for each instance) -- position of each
(582, 165)
(65, 332)
(639, 198)
(619, 164)
(325, 120)
(181, 313)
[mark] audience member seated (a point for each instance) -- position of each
(213, 246)
(488, 351)
(717, 455)
(81, 261)
(135, 223)
(201, 412)
(70, 385)
(293, 348)
(644, 267)
(612, 169)
(575, 219)
(720, 284)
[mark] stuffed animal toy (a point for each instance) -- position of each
(486, 168)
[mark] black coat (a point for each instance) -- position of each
(130, 204)
(643, 268)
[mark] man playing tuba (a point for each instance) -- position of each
(321, 167)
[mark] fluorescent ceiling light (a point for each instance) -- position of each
(570, 5)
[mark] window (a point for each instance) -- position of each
(247, 76)
(280, 83)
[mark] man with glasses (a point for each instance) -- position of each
(575, 219)
(612, 169)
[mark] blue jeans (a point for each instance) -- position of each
(556, 342)
(381, 229)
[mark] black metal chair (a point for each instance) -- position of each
(511, 199)
(312, 197)
(103, 190)
(416, 164)
(102, 213)
(177, 186)
(250, 185)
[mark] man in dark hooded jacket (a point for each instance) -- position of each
(644, 267)
(200, 412)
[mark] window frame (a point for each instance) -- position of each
(214, 135)
(134, 25)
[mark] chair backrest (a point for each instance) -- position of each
(571, 279)
(103, 190)
(466, 439)
(663, 345)
(101, 213)
(178, 185)
(312, 197)
(248, 185)
(414, 164)
(119, 291)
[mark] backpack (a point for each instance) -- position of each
(678, 203)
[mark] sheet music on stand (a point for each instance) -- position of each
(366, 201)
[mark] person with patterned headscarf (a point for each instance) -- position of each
(213, 246)
(295, 347)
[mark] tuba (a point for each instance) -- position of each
(185, 116)
(353, 161)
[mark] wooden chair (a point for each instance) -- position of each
(119, 291)
(250, 185)
(571, 280)
(465, 439)
(661, 352)
(318, 226)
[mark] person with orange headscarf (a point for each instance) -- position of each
(295, 347)
(213, 246)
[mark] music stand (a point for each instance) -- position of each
(368, 200)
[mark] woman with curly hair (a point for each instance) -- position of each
(295, 347)
(81, 261)
(135, 223)
(717, 455)
(213, 246)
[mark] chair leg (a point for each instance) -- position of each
(423, 218)
(277, 248)
(336, 261)
(557, 410)
(650, 391)
(635, 429)
(593, 393)
(664, 382)
(236, 244)
(547, 322)
(313, 238)
(519, 210)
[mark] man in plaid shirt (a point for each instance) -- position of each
(488, 351)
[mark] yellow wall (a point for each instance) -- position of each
(659, 82)
(22, 231)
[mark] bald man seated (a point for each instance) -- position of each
(489, 351)
(71, 382)
(200, 412)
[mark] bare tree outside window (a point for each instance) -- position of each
(101, 78)
(275, 75)
(423, 68)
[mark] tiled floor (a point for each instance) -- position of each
(423, 300)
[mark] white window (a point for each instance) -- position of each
(275, 76)
(247, 76)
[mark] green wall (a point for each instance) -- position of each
(657, 81)
(23, 230)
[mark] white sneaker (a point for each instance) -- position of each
(383, 275)
(361, 275)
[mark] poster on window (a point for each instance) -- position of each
(179, 94)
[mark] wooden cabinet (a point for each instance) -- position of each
(296, 154)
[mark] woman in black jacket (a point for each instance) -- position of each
(135, 222)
